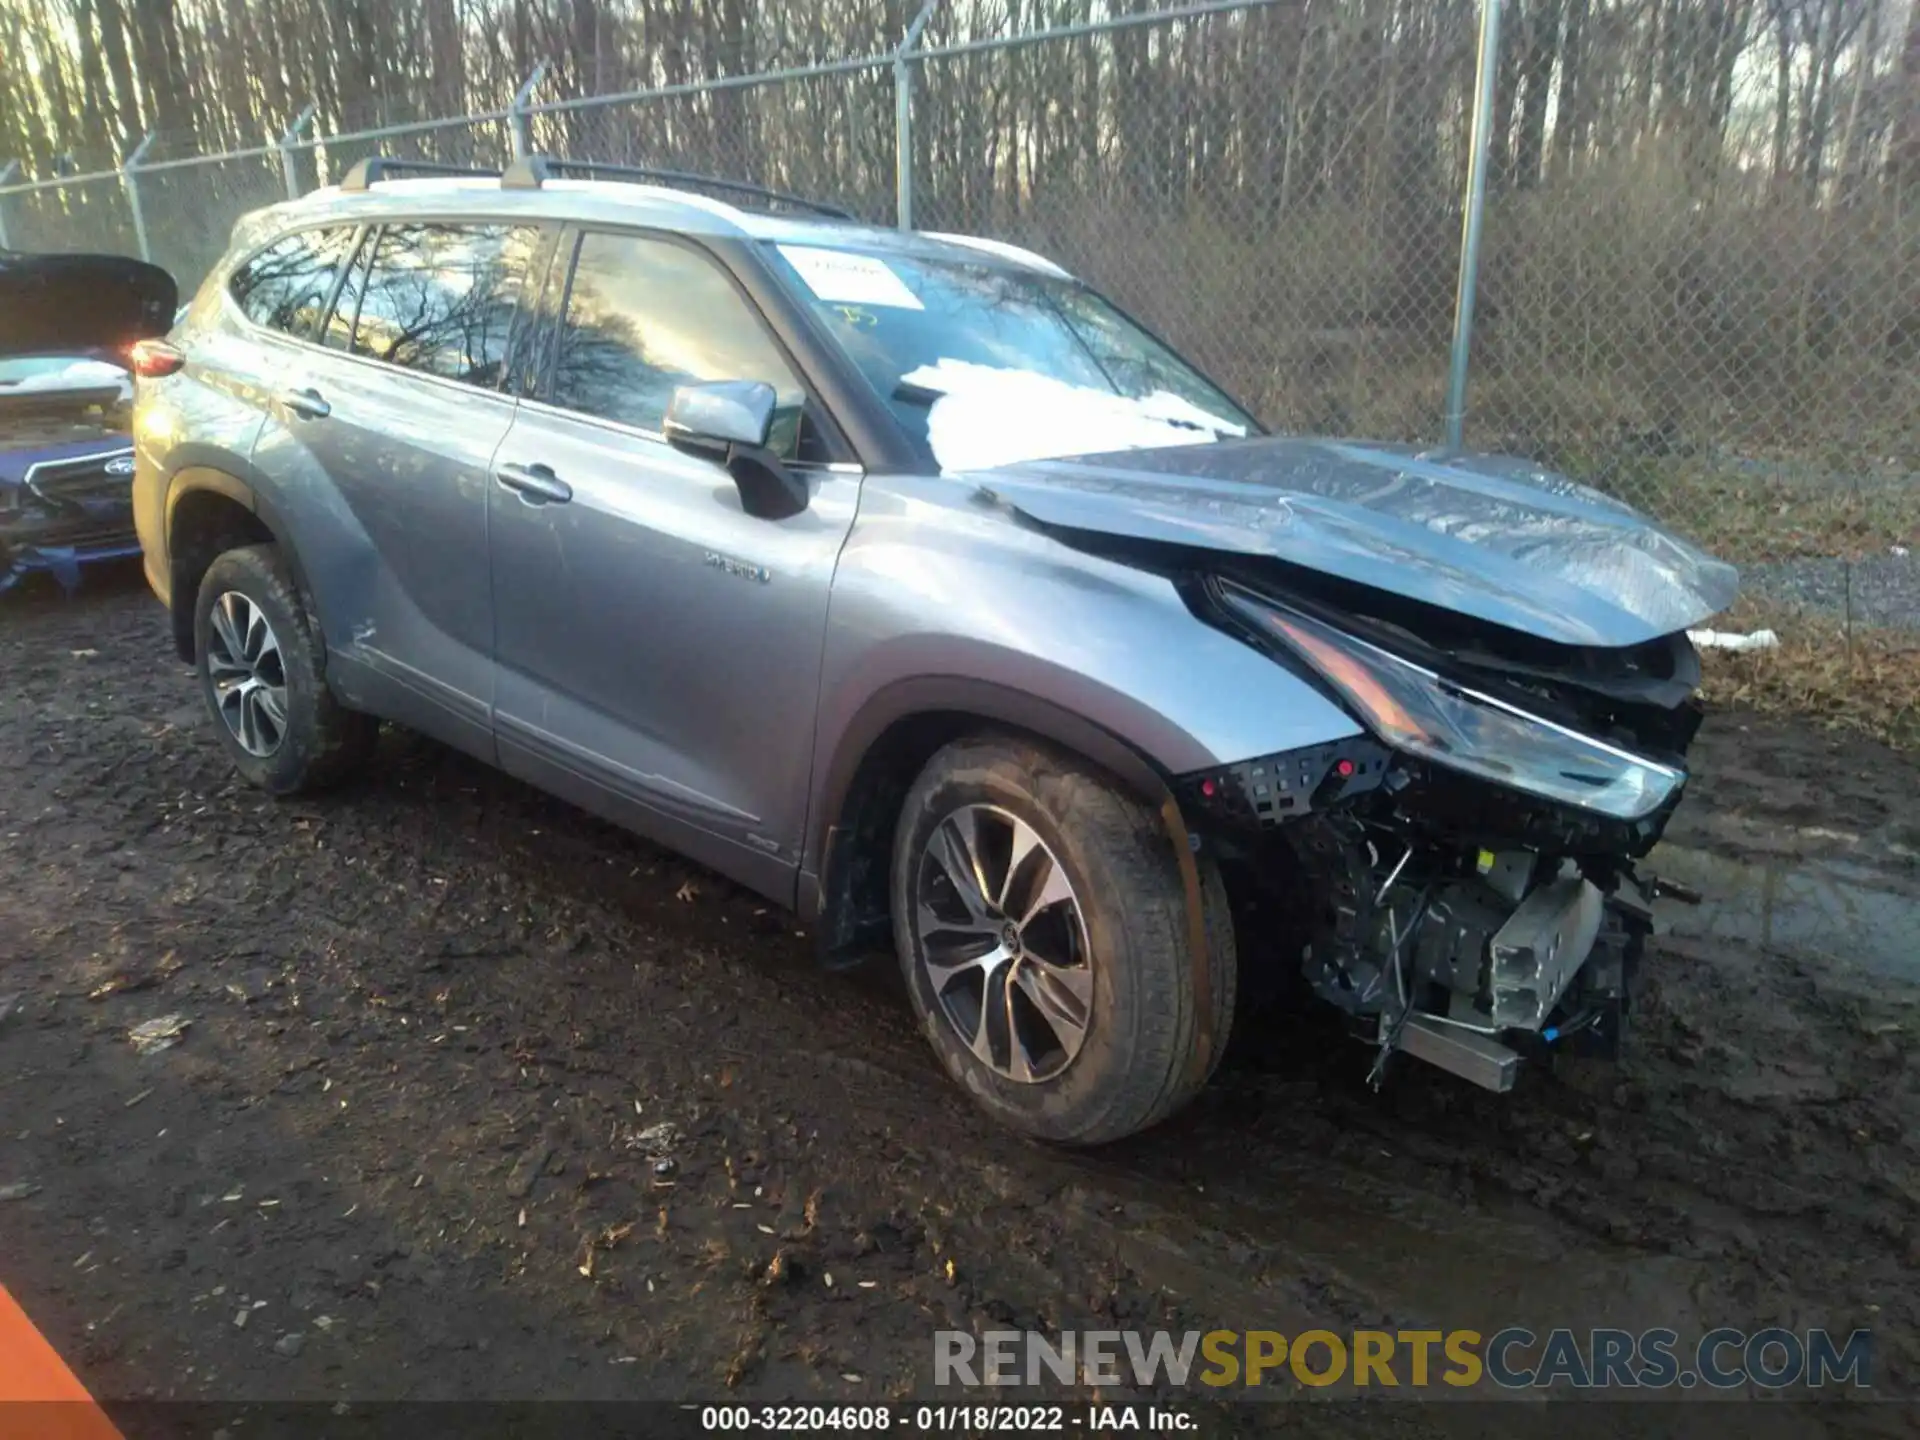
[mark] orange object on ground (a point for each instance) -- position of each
(39, 1396)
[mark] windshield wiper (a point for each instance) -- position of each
(908, 394)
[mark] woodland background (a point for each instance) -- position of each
(1701, 280)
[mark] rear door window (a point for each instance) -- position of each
(441, 299)
(287, 285)
(338, 332)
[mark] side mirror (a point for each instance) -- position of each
(729, 421)
(720, 414)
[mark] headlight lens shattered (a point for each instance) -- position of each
(1421, 713)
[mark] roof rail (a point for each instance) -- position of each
(376, 168)
(533, 171)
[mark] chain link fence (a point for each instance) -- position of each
(827, 134)
(88, 214)
(188, 206)
(481, 142)
(1164, 163)
(1698, 285)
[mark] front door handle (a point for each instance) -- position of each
(535, 484)
(309, 403)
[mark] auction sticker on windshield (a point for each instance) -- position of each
(842, 278)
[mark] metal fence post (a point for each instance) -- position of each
(130, 178)
(520, 113)
(8, 172)
(1476, 204)
(289, 166)
(903, 117)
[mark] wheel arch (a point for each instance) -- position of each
(843, 873)
(209, 510)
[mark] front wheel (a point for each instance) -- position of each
(260, 673)
(1041, 917)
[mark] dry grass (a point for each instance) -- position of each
(1867, 681)
(1748, 518)
(1749, 515)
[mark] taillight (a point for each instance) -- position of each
(154, 358)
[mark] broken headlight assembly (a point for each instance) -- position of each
(1423, 714)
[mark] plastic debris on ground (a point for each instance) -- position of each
(1733, 640)
(150, 1037)
(658, 1141)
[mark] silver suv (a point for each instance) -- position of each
(909, 582)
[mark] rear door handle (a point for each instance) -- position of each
(309, 403)
(536, 484)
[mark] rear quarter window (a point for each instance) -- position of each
(286, 286)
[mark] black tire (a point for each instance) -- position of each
(323, 742)
(1146, 1052)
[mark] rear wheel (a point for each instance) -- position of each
(1040, 913)
(260, 673)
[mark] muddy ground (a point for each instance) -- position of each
(437, 1021)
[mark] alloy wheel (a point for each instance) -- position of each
(1003, 943)
(248, 675)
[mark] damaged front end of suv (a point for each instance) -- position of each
(1465, 872)
(1459, 877)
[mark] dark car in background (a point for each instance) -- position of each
(68, 328)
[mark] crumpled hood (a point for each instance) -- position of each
(67, 304)
(1495, 539)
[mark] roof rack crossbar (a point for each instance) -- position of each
(376, 168)
(533, 171)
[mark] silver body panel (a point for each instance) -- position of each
(655, 643)
(388, 494)
(935, 583)
(1495, 539)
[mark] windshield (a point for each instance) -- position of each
(990, 365)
